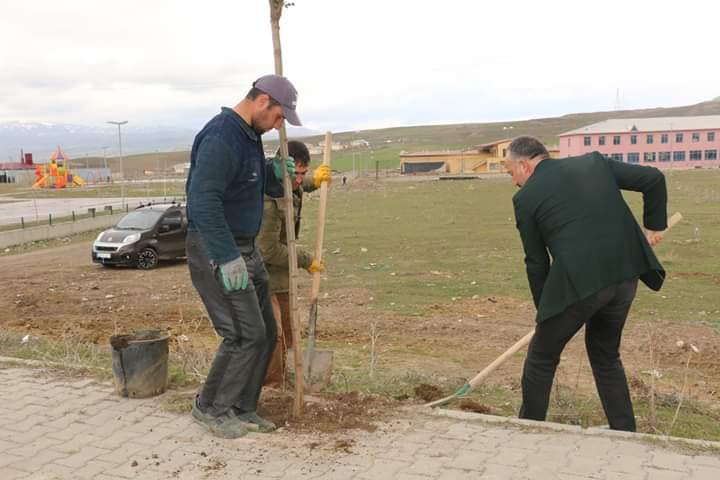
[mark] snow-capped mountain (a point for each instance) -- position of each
(77, 141)
(41, 138)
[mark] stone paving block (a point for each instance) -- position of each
(595, 447)
(92, 468)
(584, 466)
(537, 472)
(132, 468)
(623, 464)
(530, 441)
(509, 456)
(700, 472)
(6, 445)
(705, 460)
(499, 472)
(400, 450)
(624, 476)
(33, 448)
(382, 468)
(36, 462)
(80, 458)
(70, 432)
(443, 447)
(120, 453)
(458, 474)
(631, 449)
(570, 476)
(425, 465)
(77, 443)
(340, 472)
(53, 471)
(117, 439)
(665, 460)
(658, 474)
(471, 460)
(8, 473)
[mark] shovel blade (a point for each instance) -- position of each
(317, 370)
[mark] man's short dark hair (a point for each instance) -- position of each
(527, 147)
(299, 152)
(256, 92)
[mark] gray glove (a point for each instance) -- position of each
(234, 275)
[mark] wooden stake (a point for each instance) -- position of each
(276, 7)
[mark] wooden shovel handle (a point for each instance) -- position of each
(321, 219)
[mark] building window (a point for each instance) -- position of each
(664, 156)
(678, 156)
(695, 154)
(678, 138)
(633, 157)
(616, 140)
(650, 139)
(601, 140)
(711, 136)
(568, 142)
(633, 139)
(504, 152)
(606, 156)
(618, 157)
(649, 157)
(710, 154)
(695, 137)
(586, 141)
(664, 138)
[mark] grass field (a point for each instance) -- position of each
(429, 262)
(432, 242)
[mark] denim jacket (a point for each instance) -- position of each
(226, 184)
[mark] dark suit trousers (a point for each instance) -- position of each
(603, 315)
(245, 321)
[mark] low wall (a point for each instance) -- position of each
(46, 232)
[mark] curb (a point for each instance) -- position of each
(561, 427)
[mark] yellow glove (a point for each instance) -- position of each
(317, 266)
(322, 174)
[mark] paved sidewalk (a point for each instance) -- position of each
(79, 429)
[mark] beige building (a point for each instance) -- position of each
(485, 158)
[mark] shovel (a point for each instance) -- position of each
(318, 363)
(477, 379)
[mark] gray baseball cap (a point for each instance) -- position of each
(282, 91)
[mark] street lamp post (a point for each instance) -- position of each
(122, 168)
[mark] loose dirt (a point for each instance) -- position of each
(59, 293)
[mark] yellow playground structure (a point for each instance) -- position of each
(56, 174)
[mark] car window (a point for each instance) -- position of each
(173, 221)
(139, 220)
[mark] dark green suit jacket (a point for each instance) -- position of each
(573, 208)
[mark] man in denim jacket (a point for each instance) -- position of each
(225, 189)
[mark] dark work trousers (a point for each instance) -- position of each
(603, 315)
(245, 321)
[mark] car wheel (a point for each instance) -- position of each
(147, 259)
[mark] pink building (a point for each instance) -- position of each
(665, 142)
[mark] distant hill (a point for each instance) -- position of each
(468, 134)
(385, 144)
(81, 140)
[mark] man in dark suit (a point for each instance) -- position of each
(573, 210)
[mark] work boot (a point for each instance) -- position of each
(253, 421)
(224, 426)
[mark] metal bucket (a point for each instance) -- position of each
(140, 363)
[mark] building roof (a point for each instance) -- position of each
(443, 153)
(16, 166)
(496, 142)
(658, 124)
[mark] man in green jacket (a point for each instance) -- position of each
(573, 210)
(272, 241)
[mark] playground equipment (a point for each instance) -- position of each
(56, 174)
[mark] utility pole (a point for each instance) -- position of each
(122, 168)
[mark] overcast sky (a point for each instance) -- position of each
(357, 64)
